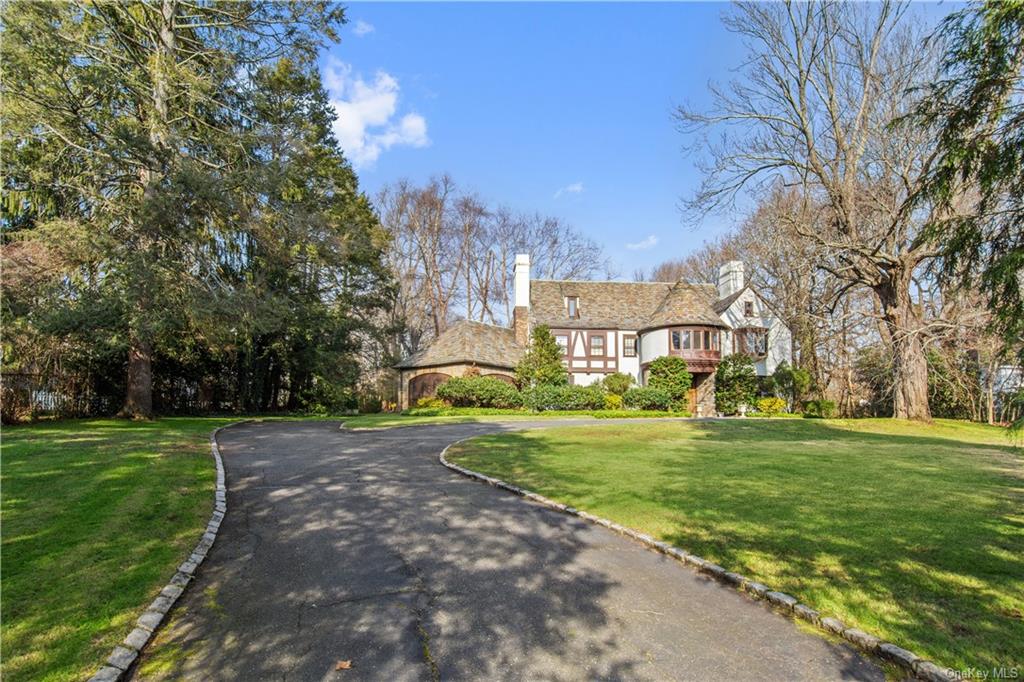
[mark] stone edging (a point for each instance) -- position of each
(908, 661)
(125, 654)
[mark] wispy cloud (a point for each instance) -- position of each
(368, 122)
(574, 188)
(361, 28)
(646, 243)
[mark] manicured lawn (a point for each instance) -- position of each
(914, 533)
(457, 415)
(96, 516)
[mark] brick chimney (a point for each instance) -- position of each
(730, 278)
(521, 311)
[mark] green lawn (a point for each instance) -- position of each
(914, 533)
(96, 516)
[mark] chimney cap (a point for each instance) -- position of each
(522, 259)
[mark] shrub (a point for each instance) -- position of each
(821, 409)
(670, 374)
(647, 399)
(613, 401)
(542, 398)
(542, 363)
(792, 383)
(617, 383)
(771, 406)
(735, 383)
(479, 392)
(430, 401)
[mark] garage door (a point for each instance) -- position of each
(425, 385)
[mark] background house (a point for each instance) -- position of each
(606, 327)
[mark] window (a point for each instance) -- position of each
(572, 305)
(716, 340)
(597, 344)
(563, 342)
(629, 346)
(707, 340)
(753, 342)
(676, 340)
(686, 340)
(748, 308)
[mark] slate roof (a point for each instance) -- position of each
(470, 343)
(623, 305)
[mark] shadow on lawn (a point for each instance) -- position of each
(920, 538)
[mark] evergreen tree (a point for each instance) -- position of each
(735, 383)
(542, 363)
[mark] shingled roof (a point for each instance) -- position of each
(623, 305)
(467, 342)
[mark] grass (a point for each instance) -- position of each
(454, 415)
(912, 532)
(96, 516)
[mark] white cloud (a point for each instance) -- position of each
(368, 123)
(574, 188)
(361, 28)
(646, 243)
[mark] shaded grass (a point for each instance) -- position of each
(455, 415)
(912, 532)
(96, 516)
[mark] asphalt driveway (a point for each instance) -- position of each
(360, 546)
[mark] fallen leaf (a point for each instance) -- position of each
(343, 665)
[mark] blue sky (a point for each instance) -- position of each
(559, 108)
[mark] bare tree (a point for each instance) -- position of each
(812, 109)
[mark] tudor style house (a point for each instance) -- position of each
(606, 327)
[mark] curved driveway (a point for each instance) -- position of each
(360, 546)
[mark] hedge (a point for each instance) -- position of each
(647, 399)
(476, 391)
(541, 398)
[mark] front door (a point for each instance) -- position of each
(691, 401)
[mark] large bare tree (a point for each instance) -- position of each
(812, 107)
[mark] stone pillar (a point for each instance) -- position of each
(521, 324)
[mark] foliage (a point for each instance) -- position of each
(186, 227)
(735, 383)
(479, 391)
(669, 374)
(430, 402)
(551, 397)
(771, 406)
(978, 175)
(541, 365)
(613, 401)
(820, 409)
(792, 383)
(892, 580)
(647, 398)
(617, 383)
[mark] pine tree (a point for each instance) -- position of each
(542, 363)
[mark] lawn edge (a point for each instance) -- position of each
(777, 601)
(125, 654)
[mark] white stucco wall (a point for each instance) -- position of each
(780, 340)
(587, 378)
(630, 366)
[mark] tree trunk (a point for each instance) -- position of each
(139, 399)
(909, 366)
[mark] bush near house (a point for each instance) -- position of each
(478, 391)
(613, 401)
(542, 363)
(771, 406)
(617, 383)
(542, 398)
(821, 409)
(647, 399)
(671, 375)
(735, 383)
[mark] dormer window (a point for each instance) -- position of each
(572, 306)
(748, 308)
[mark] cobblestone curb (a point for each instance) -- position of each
(779, 601)
(125, 654)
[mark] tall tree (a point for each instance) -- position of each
(135, 107)
(812, 108)
(978, 176)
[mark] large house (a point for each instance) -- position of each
(606, 327)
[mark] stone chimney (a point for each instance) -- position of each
(521, 311)
(730, 278)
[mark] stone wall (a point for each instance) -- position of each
(456, 370)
